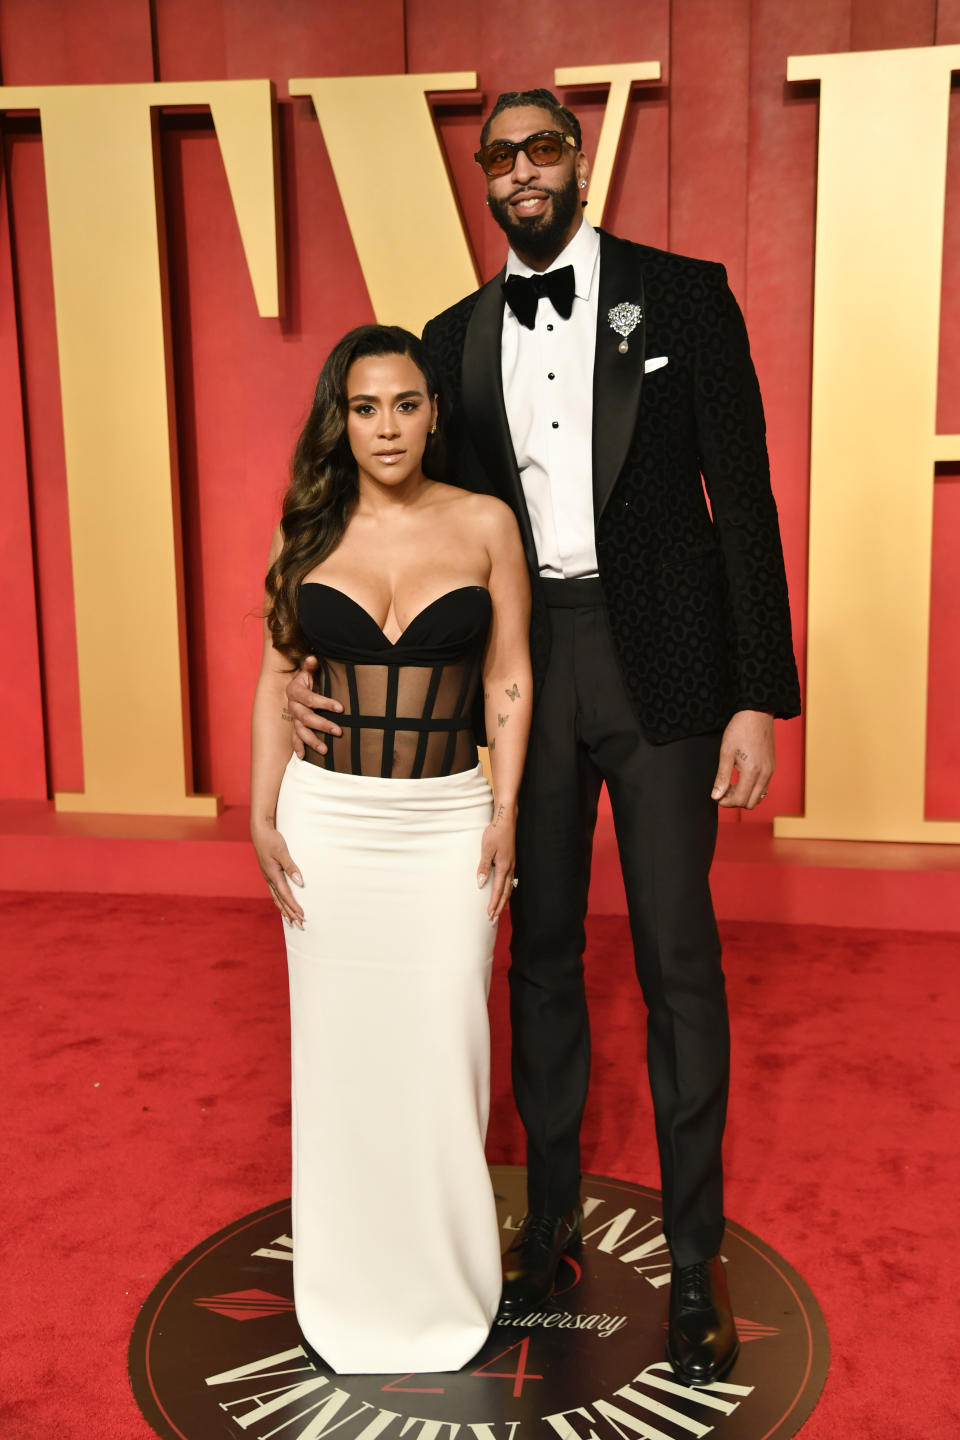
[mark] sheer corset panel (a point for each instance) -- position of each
(402, 721)
(406, 703)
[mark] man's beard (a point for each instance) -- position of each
(540, 235)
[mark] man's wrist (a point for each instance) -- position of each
(753, 709)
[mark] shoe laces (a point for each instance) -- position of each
(538, 1231)
(695, 1285)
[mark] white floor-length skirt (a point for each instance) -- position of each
(396, 1250)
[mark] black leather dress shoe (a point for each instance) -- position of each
(530, 1264)
(702, 1343)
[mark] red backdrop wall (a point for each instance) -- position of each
(718, 160)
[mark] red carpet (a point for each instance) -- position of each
(144, 1076)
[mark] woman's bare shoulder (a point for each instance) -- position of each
(485, 510)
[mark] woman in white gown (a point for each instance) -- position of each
(411, 593)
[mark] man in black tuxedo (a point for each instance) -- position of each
(600, 387)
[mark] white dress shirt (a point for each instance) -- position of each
(548, 392)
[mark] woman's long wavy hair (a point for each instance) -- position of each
(323, 477)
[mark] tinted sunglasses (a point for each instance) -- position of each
(543, 148)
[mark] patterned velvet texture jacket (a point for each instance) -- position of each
(697, 602)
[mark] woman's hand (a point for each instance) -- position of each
(274, 860)
(497, 856)
(302, 706)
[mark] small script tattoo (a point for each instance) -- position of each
(502, 719)
(514, 692)
(499, 816)
(741, 756)
(493, 744)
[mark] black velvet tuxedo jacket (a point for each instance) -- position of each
(697, 601)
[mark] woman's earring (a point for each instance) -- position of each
(583, 184)
(433, 430)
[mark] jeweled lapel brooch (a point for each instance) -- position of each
(624, 318)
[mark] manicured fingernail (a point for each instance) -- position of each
(715, 792)
(481, 880)
(297, 878)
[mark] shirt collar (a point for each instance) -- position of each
(582, 252)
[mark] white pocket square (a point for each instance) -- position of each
(656, 362)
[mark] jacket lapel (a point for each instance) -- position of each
(486, 414)
(617, 378)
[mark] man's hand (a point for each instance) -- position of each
(747, 747)
(302, 707)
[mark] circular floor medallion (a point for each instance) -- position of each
(216, 1351)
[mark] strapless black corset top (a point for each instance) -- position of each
(406, 703)
(338, 628)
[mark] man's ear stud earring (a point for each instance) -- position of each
(583, 184)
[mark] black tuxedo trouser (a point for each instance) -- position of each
(585, 732)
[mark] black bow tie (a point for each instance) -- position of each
(523, 295)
